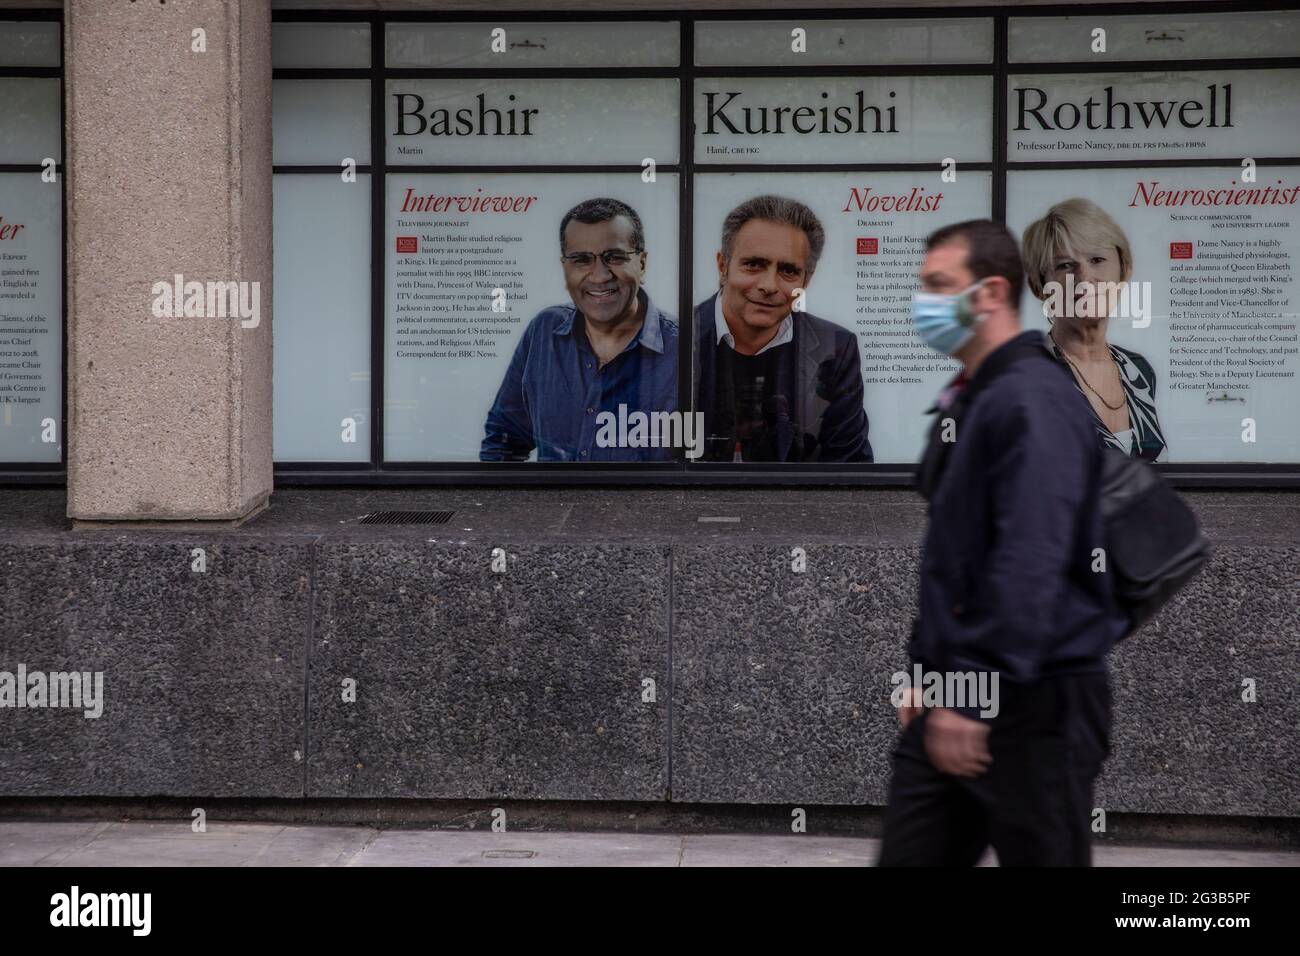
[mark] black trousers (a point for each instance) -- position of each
(1034, 804)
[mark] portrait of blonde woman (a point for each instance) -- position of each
(1084, 250)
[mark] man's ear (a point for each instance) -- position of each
(997, 291)
(722, 269)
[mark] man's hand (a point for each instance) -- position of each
(957, 745)
(911, 706)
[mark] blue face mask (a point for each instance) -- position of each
(944, 321)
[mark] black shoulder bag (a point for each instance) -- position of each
(1154, 544)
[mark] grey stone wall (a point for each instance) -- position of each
(769, 686)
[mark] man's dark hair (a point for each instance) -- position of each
(992, 251)
(778, 209)
(603, 210)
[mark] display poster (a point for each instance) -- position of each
(1133, 117)
(31, 319)
(533, 44)
(844, 119)
(535, 265)
(532, 122)
(1098, 36)
(1204, 325)
(871, 374)
(833, 42)
(488, 354)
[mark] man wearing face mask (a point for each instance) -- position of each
(1010, 591)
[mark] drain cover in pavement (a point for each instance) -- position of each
(407, 517)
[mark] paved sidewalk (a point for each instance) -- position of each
(69, 843)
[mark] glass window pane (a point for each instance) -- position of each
(842, 42)
(31, 319)
(322, 318)
(29, 43)
(1181, 36)
(473, 373)
(320, 45)
(847, 373)
(29, 119)
(533, 122)
(1205, 335)
(529, 45)
(321, 122)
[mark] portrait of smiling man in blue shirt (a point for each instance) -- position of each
(611, 347)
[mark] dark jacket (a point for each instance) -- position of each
(824, 408)
(1007, 580)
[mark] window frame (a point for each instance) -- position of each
(378, 472)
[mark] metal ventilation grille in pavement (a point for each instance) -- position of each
(407, 517)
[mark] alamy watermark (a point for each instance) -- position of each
(949, 689)
(208, 300)
(651, 430)
(1098, 300)
(75, 908)
(79, 690)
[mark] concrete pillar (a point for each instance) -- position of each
(169, 174)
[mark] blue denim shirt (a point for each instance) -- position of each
(554, 389)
